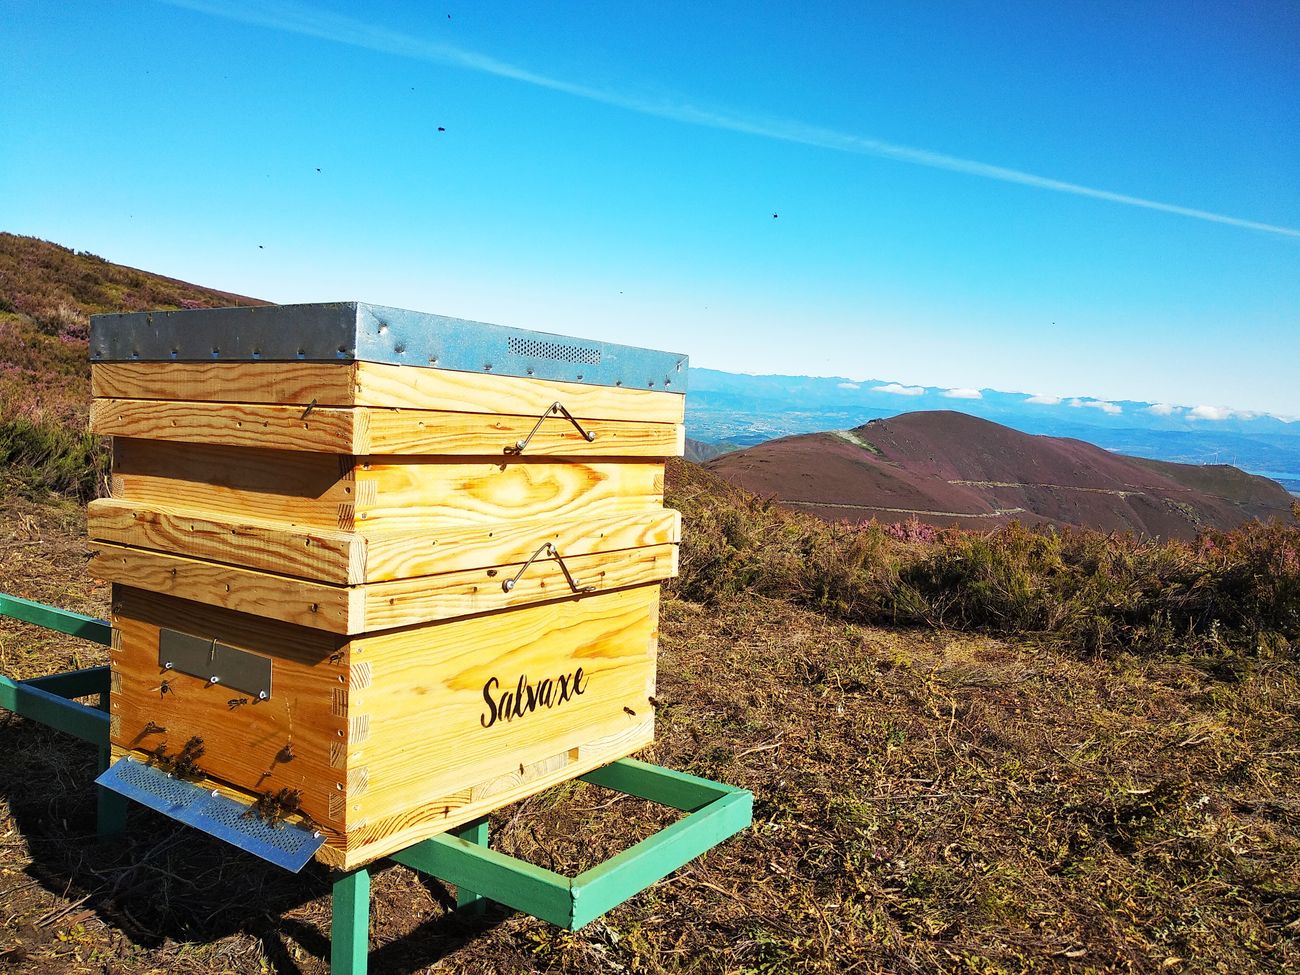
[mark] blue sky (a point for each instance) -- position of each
(1068, 200)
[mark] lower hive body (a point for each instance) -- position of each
(383, 739)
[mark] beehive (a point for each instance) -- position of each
(391, 570)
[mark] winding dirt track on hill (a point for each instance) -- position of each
(998, 513)
(1113, 492)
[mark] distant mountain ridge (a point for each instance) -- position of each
(949, 468)
(724, 407)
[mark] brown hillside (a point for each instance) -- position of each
(948, 468)
(1221, 480)
(47, 295)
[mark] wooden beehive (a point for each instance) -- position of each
(319, 537)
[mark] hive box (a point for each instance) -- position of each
(389, 570)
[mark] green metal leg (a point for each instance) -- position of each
(48, 700)
(110, 806)
(477, 833)
(350, 924)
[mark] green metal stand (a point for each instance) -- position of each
(350, 922)
(715, 813)
(49, 700)
(462, 857)
(476, 833)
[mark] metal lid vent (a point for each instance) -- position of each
(539, 349)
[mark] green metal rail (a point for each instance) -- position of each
(53, 618)
(714, 812)
(50, 700)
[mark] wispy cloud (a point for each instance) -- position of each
(848, 385)
(899, 390)
(962, 393)
(297, 18)
(1044, 400)
(1162, 409)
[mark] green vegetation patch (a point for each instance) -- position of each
(47, 295)
(1225, 594)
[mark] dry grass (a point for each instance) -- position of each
(925, 801)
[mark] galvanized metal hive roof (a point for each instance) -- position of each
(357, 331)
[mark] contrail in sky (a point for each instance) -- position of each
(308, 21)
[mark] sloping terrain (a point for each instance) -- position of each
(699, 452)
(925, 801)
(946, 468)
(47, 295)
(1078, 757)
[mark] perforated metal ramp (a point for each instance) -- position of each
(286, 845)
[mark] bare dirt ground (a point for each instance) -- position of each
(924, 802)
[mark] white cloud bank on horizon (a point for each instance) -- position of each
(848, 385)
(962, 393)
(1045, 400)
(899, 390)
(1219, 413)
(307, 21)
(1162, 409)
(1097, 404)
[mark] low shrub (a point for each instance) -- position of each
(1235, 592)
(41, 457)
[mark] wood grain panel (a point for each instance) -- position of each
(287, 383)
(453, 594)
(447, 492)
(432, 761)
(311, 604)
(484, 434)
(376, 384)
(375, 554)
(324, 429)
(322, 555)
(412, 552)
(292, 487)
(260, 746)
(367, 430)
(359, 609)
(416, 493)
